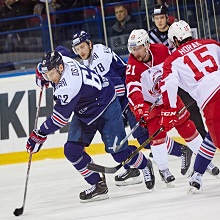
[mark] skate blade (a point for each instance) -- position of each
(130, 181)
(193, 190)
(96, 198)
(170, 185)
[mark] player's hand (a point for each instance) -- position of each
(141, 113)
(40, 81)
(168, 118)
(35, 142)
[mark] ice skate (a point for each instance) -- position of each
(167, 177)
(186, 159)
(95, 193)
(129, 177)
(149, 177)
(195, 183)
(213, 170)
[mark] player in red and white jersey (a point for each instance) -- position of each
(195, 67)
(144, 71)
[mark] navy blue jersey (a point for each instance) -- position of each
(82, 91)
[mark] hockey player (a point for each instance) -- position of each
(194, 66)
(144, 71)
(106, 63)
(159, 34)
(92, 99)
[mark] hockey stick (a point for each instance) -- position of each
(19, 211)
(103, 169)
(117, 147)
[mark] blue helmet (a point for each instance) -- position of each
(78, 38)
(52, 59)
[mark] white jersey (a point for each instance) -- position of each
(195, 67)
(108, 64)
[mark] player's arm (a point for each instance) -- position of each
(135, 96)
(169, 88)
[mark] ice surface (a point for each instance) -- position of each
(54, 187)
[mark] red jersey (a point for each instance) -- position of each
(142, 78)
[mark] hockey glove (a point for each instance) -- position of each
(35, 141)
(141, 113)
(168, 118)
(40, 81)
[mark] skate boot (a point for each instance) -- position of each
(149, 177)
(195, 182)
(167, 177)
(129, 177)
(213, 170)
(96, 192)
(186, 159)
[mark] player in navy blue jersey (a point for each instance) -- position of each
(93, 101)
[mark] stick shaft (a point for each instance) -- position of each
(30, 155)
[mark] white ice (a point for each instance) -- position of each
(54, 187)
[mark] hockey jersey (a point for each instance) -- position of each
(82, 91)
(108, 64)
(142, 78)
(195, 67)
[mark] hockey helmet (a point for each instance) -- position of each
(52, 59)
(160, 10)
(78, 38)
(138, 37)
(181, 30)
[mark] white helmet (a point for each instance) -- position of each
(180, 29)
(137, 38)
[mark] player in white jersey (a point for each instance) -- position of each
(107, 63)
(194, 67)
(144, 71)
(93, 101)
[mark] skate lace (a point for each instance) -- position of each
(147, 174)
(183, 165)
(196, 177)
(90, 190)
(166, 173)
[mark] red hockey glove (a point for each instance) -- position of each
(168, 118)
(40, 81)
(141, 113)
(35, 142)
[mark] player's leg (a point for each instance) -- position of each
(203, 159)
(79, 136)
(111, 127)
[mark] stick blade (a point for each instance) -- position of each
(102, 169)
(18, 211)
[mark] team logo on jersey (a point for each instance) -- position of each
(155, 90)
(61, 83)
(105, 82)
(81, 111)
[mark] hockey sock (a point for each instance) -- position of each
(79, 159)
(205, 155)
(173, 147)
(142, 139)
(195, 144)
(160, 155)
(138, 161)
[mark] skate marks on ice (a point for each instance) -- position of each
(54, 187)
